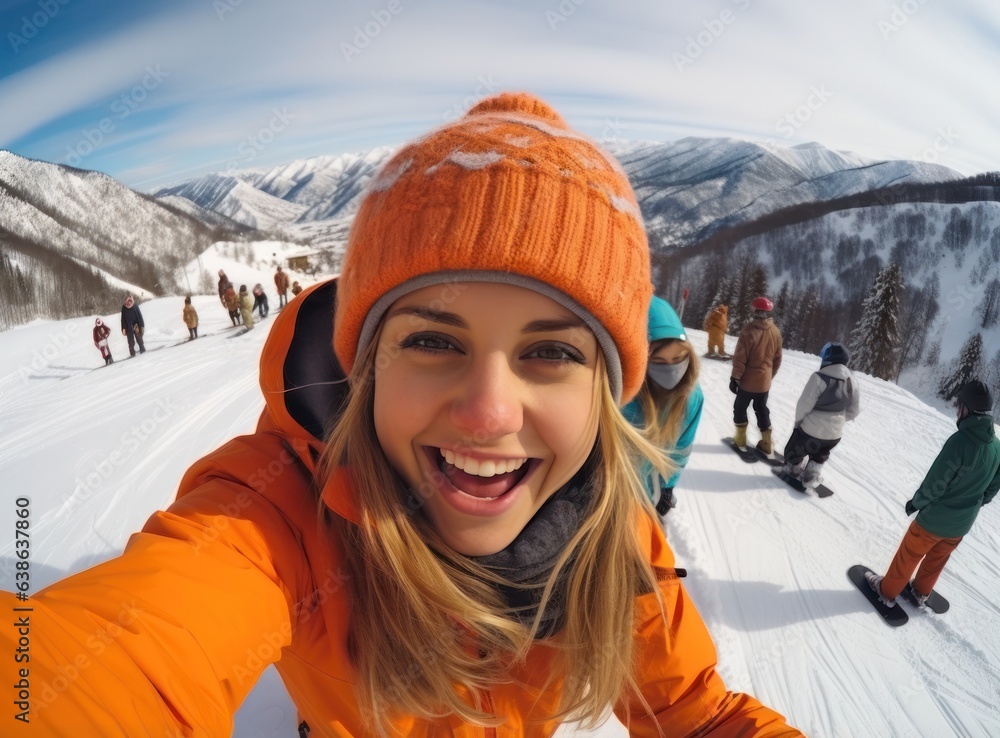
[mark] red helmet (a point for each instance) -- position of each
(762, 303)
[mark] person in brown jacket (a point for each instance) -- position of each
(232, 302)
(281, 284)
(716, 324)
(755, 362)
(190, 318)
(296, 288)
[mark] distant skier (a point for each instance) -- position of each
(281, 284)
(716, 325)
(246, 307)
(964, 477)
(260, 301)
(296, 288)
(101, 335)
(190, 318)
(232, 303)
(831, 398)
(224, 285)
(133, 325)
(755, 362)
(670, 397)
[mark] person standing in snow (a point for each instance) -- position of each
(224, 286)
(670, 398)
(190, 316)
(260, 301)
(464, 547)
(246, 307)
(755, 362)
(133, 325)
(231, 301)
(281, 284)
(101, 335)
(296, 288)
(964, 477)
(830, 398)
(716, 325)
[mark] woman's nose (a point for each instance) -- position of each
(488, 402)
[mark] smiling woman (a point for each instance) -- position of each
(457, 540)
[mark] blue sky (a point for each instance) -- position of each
(155, 93)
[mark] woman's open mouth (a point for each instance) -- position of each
(478, 487)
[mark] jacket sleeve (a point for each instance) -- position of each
(810, 394)
(740, 356)
(124, 326)
(992, 488)
(169, 637)
(138, 314)
(682, 451)
(940, 475)
(675, 671)
(854, 407)
(776, 362)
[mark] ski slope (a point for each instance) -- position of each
(98, 449)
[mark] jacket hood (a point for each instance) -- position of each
(303, 384)
(663, 322)
(979, 428)
(837, 371)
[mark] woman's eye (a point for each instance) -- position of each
(559, 354)
(430, 344)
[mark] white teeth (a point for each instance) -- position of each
(477, 468)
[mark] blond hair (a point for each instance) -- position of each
(664, 411)
(429, 633)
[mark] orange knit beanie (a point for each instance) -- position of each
(508, 193)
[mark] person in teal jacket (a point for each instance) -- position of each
(964, 477)
(670, 397)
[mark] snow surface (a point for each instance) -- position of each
(98, 450)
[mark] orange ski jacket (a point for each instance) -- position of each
(168, 638)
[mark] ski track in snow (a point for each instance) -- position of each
(98, 450)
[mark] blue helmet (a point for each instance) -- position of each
(834, 353)
(663, 322)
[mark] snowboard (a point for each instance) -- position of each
(821, 490)
(894, 616)
(935, 603)
(718, 357)
(748, 456)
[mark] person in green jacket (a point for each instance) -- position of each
(671, 396)
(964, 477)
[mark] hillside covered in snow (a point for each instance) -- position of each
(766, 565)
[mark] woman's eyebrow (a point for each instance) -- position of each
(558, 324)
(427, 313)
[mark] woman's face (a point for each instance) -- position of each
(672, 352)
(485, 405)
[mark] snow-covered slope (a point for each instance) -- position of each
(98, 451)
(235, 199)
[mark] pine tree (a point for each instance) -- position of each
(989, 310)
(875, 340)
(967, 367)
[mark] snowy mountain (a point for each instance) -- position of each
(766, 565)
(63, 230)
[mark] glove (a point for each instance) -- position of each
(910, 509)
(123, 332)
(734, 385)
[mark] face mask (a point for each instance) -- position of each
(668, 376)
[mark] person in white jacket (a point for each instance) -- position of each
(831, 398)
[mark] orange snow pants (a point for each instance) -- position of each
(918, 547)
(716, 339)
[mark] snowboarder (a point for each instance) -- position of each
(190, 316)
(260, 301)
(670, 396)
(381, 562)
(755, 362)
(246, 307)
(281, 284)
(133, 325)
(964, 477)
(296, 288)
(830, 398)
(101, 335)
(231, 301)
(224, 285)
(716, 325)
